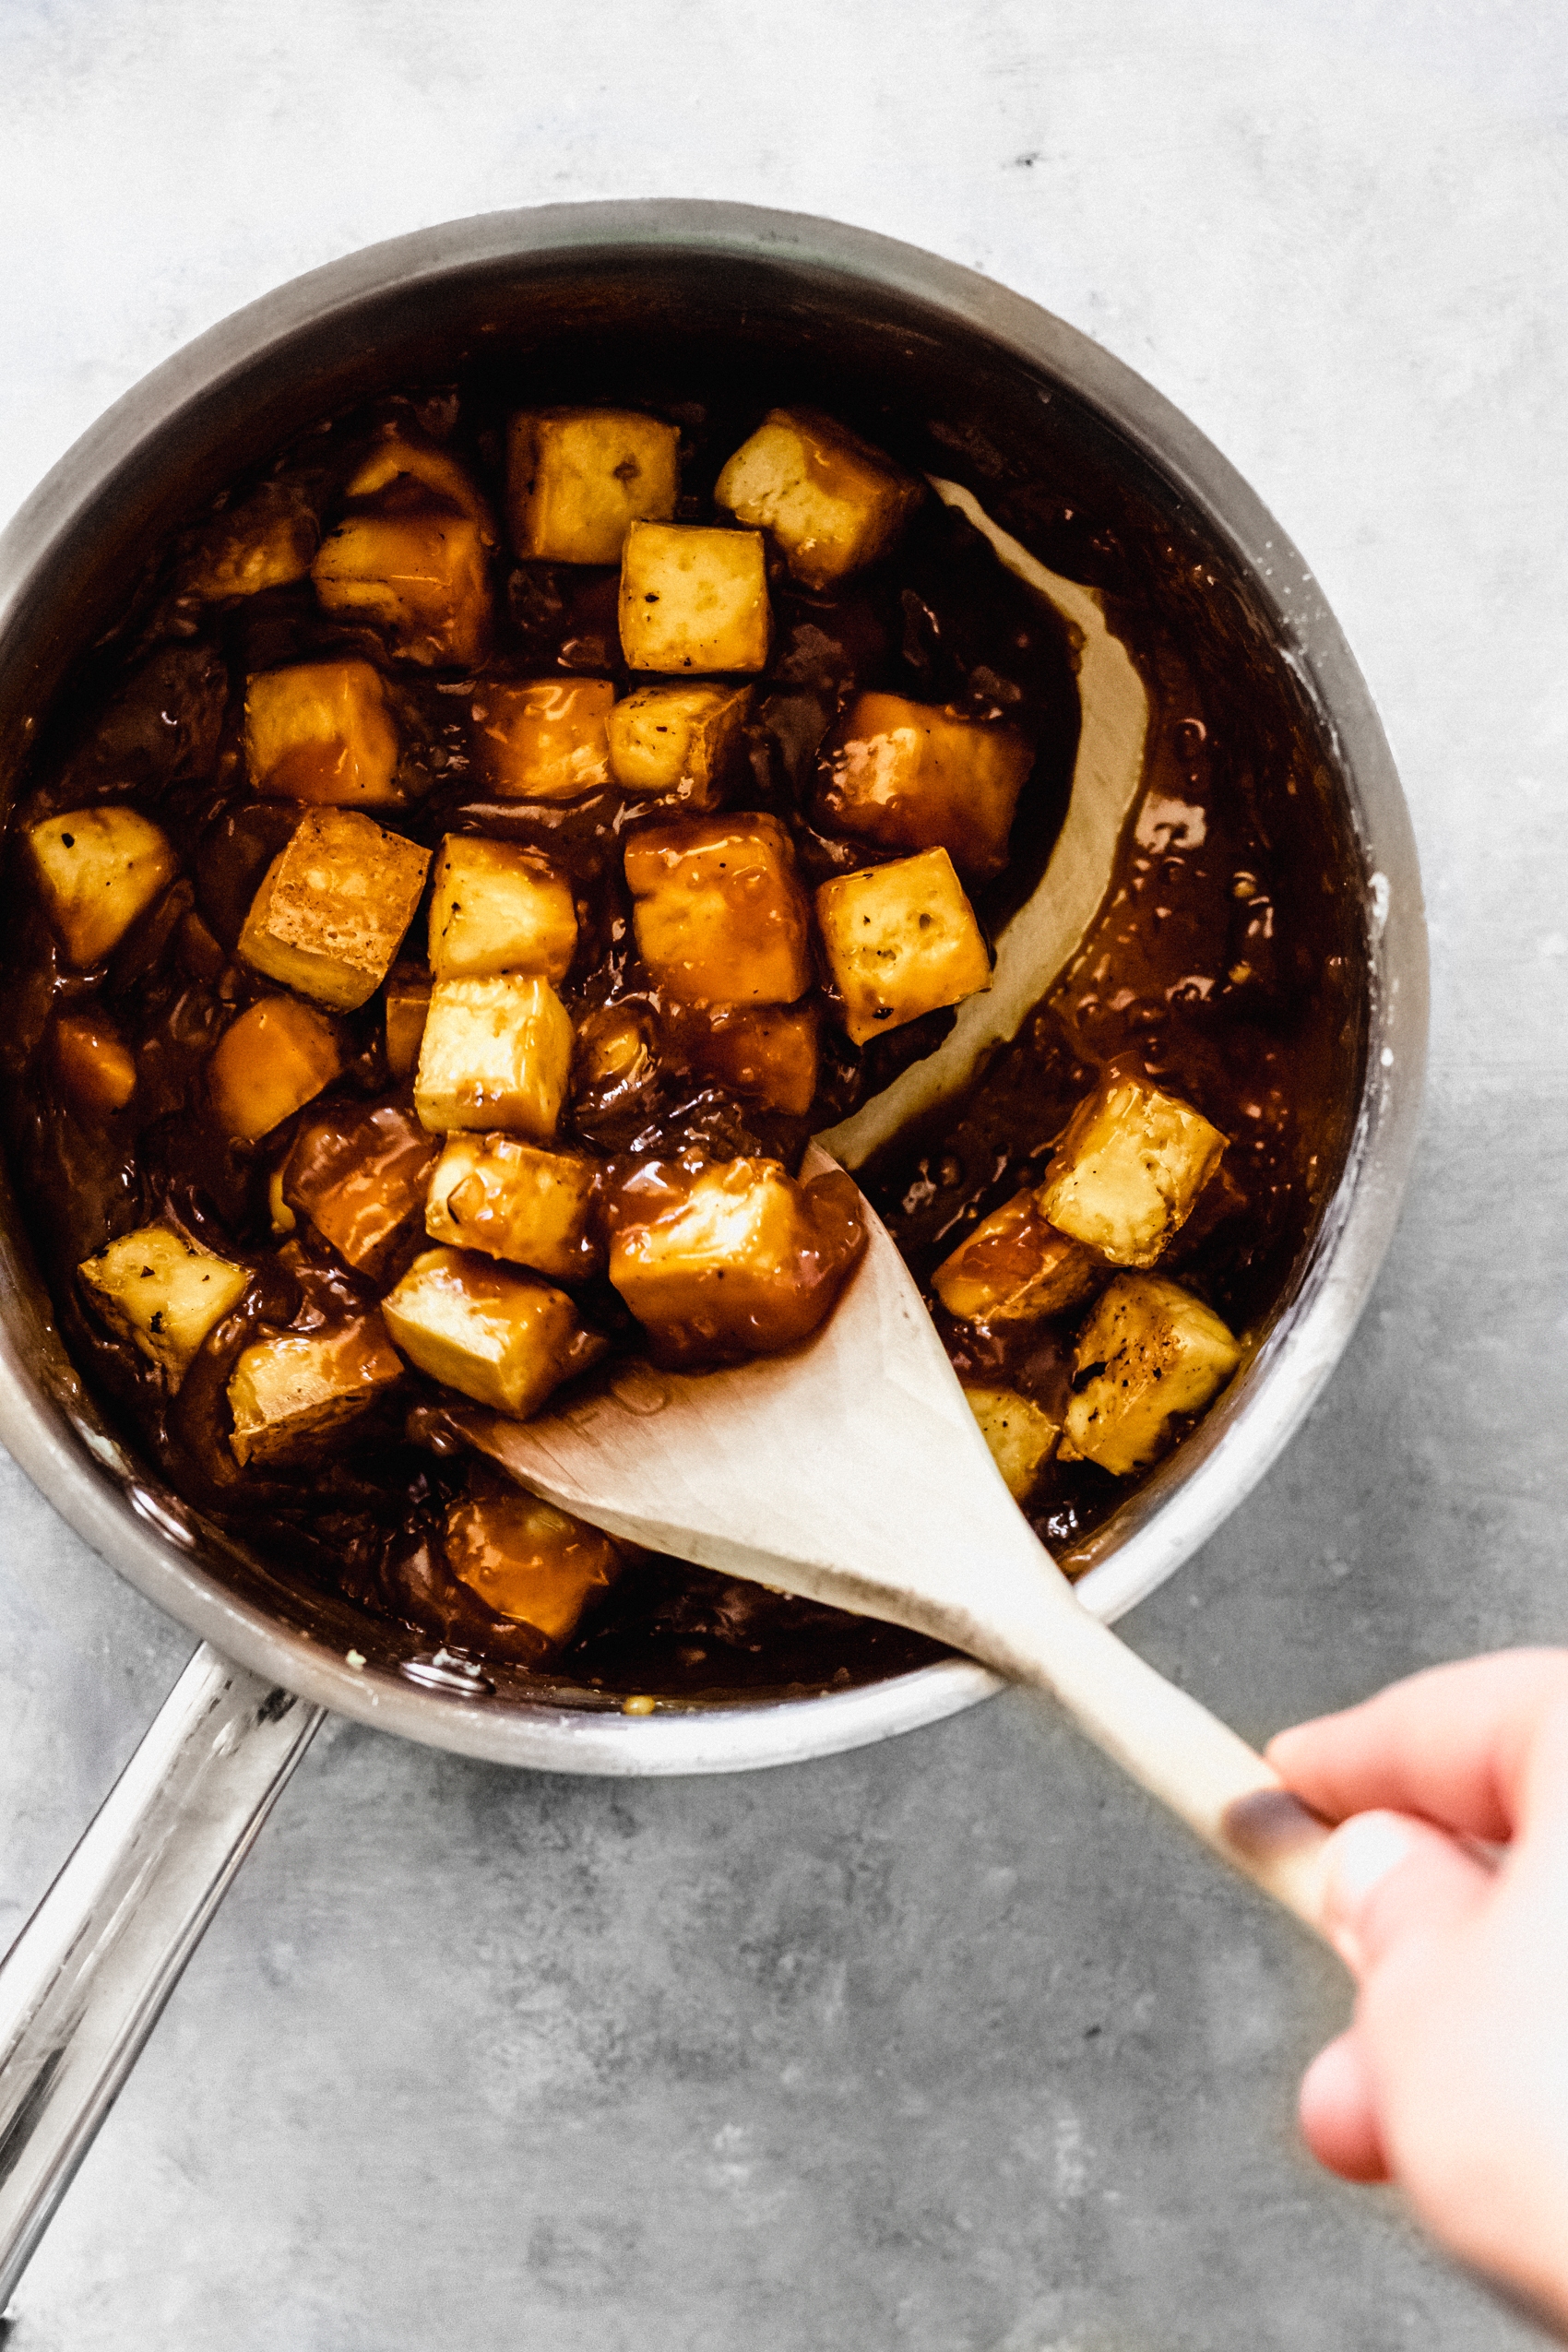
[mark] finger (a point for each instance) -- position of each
(1337, 2117)
(1452, 1745)
(1388, 1879)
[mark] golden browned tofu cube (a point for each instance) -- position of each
(1014, 1267)
(1022, 1437)
(504, 1339)
(96, 1068)
(1129, 1169)
(720, 913)
(528, 1562)
(264, 542)
(832, 502)
(289, 1394)
(321, 730)
(692, 598)
(333, 907)
(361, 1177)
(766, 1054)
(98, 870)
(677, 742)
(578, 479)
(495, 1053)
(419, 575)
(901, 940)
(909, 776)
(407, 1008)
(1149, 1352)
(498, 907)
(160, 1292)
(269, 1064)
(734, 1259)
(511, 1200)
(402, 457)
(544, 739)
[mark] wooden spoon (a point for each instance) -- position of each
(852, 1471)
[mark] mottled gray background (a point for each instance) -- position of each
(949, 2046)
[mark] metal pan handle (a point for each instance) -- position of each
(85, 1982)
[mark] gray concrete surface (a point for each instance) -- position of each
(949, 2046)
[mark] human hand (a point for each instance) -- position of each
(1453, 2080)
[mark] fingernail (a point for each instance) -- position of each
(1358, 1857)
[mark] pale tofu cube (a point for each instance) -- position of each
(361, 1176)
(1021, 1437)
(692, 598)
(909, 776)
(321, 730)
(901, 940)
(734, 1259)
(95, 1067)
(495, 1053)
(289, 1394)
(1015, 1268)
(529, 1562)
(98, 870)
(333, 907)
(832, 502)
(504, 1339)
(578, 479)
(264, 542)
(511, 1200)
(497, 907)
(1128, 1171)
(401, 456)
(677, 742)
(269, 1064)
(766, 1053)
(163, 1294)
(720, 913)
(1149, 1352)
(404, 1016)
(543, 739)
(420, 576)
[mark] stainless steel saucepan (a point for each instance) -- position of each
(1038, 421)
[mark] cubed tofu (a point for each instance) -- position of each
(98, 870)
(1021, 1437)
(510, 1200)
(529, 1562)
(495, 1053)
(269, 1064)
(266, 541)
(832, 502)
(404, 1016)
(1128, 1171)
(333, 907)
(361, 1176)
(692, 598)
(720, 913)
(677, 742)
(578, 479)
(163, 1294)
(498, 907)
(909, 776)
(1015, 1268)
(94, 1066)
(321, 730)
(901, 940)
(734, 1259)
(504, 1339)
(1148, 1352)
(543, 739)
(289, 1394)
(401, 456)
(419, 575)
(766, 1053)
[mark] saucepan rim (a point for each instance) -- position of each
(149, 1543)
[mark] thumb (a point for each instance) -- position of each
(1386, 1877)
